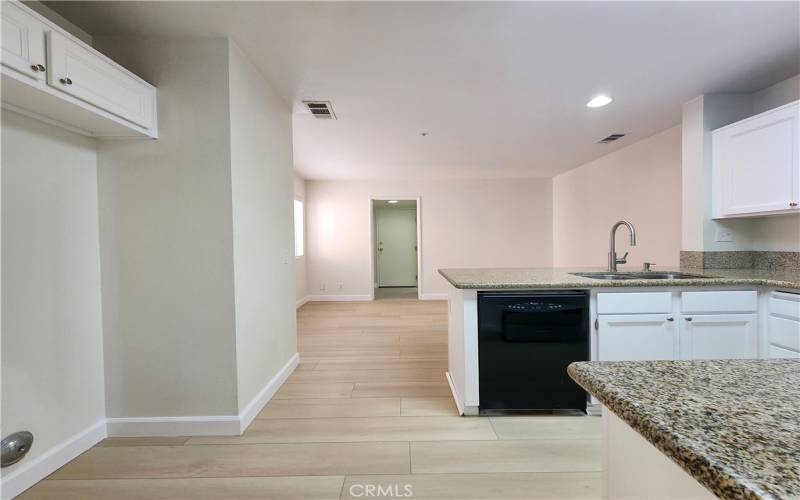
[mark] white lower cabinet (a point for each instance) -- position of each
(719, 336)
(695, 325)
(784, 325)
(628, 337)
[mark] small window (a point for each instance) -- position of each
(299, 228)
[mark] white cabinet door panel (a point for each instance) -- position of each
(636, 337)
(757, 164)
(780, 352)
(784, 333)
(83, 74)
(785, 304)
(719, 336)
(23, 41)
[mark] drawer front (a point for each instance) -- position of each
(634, 303)
(719, 302)
(780, 352)
(95, 80)
(23, 41)
(784, 332)
(785, 304)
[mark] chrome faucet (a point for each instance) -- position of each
(612, 254)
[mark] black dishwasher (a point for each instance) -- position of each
(525, 342)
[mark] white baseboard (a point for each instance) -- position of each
(455, 394)
(339, 298)
(252, 409)
(433, 296)
(212, 425)
(26, 474)
(301, 302)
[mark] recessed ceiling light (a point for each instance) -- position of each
(392, 201)
(598, 101)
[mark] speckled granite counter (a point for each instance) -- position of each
(544, 277)
(734, 425)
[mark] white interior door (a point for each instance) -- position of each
(396, 246)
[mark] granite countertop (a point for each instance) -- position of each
(734, 425)
(561, 277)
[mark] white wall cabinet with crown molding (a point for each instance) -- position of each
(756, 164)
(50, 75)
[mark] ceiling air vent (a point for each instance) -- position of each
(320, 109)
(610, 138)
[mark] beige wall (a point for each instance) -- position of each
(301, 285)
(263, 245)
(640, 183)
(166, 239)
(52, 339)
(464, 223)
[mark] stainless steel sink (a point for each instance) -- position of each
(640, 276)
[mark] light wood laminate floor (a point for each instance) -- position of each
(367, 414)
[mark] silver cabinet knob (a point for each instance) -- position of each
(689, 318)
(41, 68)
(35, 68)
(670, 318)
(65, 81)
(793, 204)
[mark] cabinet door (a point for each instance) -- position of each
(83, 73)
(757, 164)
(780, 352)
(23, 41)
(630, 337)
(719, 336)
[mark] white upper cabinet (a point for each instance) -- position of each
(79, 72)
(23, 42)
(50, 75)
(756, 164)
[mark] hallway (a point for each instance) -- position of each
(367, 408)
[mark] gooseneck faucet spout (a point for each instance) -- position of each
(612, 254)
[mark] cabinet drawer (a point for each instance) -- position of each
(719, 302)
(784, 332)
(634, 303)
(780, 352)
(785, 304)
(82, 73)
(23, 41)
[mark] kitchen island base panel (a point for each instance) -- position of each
(635, 469)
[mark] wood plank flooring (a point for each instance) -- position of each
(367, 414)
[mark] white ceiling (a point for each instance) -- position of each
(501, 87)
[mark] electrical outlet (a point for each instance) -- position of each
(724, 235)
